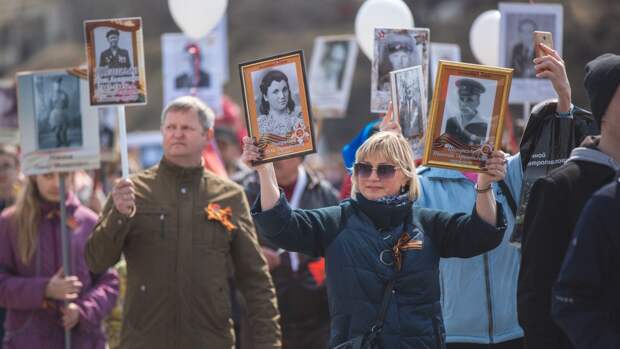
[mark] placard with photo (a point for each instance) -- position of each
(115, 56)
(467, 115)
(277, 105)
(396, 49)
(9, 128)
(442, 51)
(59, 131)
(192, 67)
(331, 74)
(517, 25)
(409, 106)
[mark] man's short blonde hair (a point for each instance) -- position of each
(395, 149)
(206, 116)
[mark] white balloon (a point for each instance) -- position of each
(197, 17)
(484, 37)
(379, 14)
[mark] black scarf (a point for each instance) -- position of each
(385, 214)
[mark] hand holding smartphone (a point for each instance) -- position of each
(544, 38)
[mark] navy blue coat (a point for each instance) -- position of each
(356, 277)
(585, 297)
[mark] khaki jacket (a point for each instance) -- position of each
(179, 262)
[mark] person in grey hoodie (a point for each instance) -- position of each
(556, 201)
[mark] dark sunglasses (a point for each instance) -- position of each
(384, 171)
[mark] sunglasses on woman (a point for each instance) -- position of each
(384, 171)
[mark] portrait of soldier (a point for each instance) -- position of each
(466, 124)
(114, 56)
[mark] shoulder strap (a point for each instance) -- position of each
(508, 194)
(385, 302)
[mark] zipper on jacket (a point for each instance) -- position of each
(487, 282)
(162, 218)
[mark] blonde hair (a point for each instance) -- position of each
(393, 148)
(27, 217)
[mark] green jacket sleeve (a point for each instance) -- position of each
(105, 245)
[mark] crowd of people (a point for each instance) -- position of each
(275, 256)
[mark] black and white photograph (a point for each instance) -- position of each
(192, 67)
(277, 105)
(517, 25)
(396, 49)
(9, 130)
(407, 100)
(442, 51)
(58, 111)
(466, 118)
(115, 59)
(409, 106)
(468, 109)
(59, 130)
(113, 48)
(331, 74)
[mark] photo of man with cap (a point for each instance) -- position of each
(468, 126)
(114, 57)
(399, 52)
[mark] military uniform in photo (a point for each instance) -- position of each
(469, 129)
(118, 58)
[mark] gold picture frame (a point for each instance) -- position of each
(467, 115)
(281, 126)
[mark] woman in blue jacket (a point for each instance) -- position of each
(378, 236)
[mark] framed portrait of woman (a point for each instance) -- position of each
(277, 105)
(467, 115)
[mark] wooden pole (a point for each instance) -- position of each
(66, 243)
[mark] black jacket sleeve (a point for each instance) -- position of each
(305, 231)
(584, 287)
(541, 258)
(463, 235)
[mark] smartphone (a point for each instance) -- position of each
(542, 37)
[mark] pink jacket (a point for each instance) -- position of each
(22, 286)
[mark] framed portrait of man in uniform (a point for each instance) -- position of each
(115, 57)
(467, 115)
(277, 105)
(517, 25)
(410, 106)
(396, 49)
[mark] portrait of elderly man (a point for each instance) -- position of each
(114, 56)
(399, 52)
(468, 125)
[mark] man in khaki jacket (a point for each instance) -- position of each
(182, 229)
